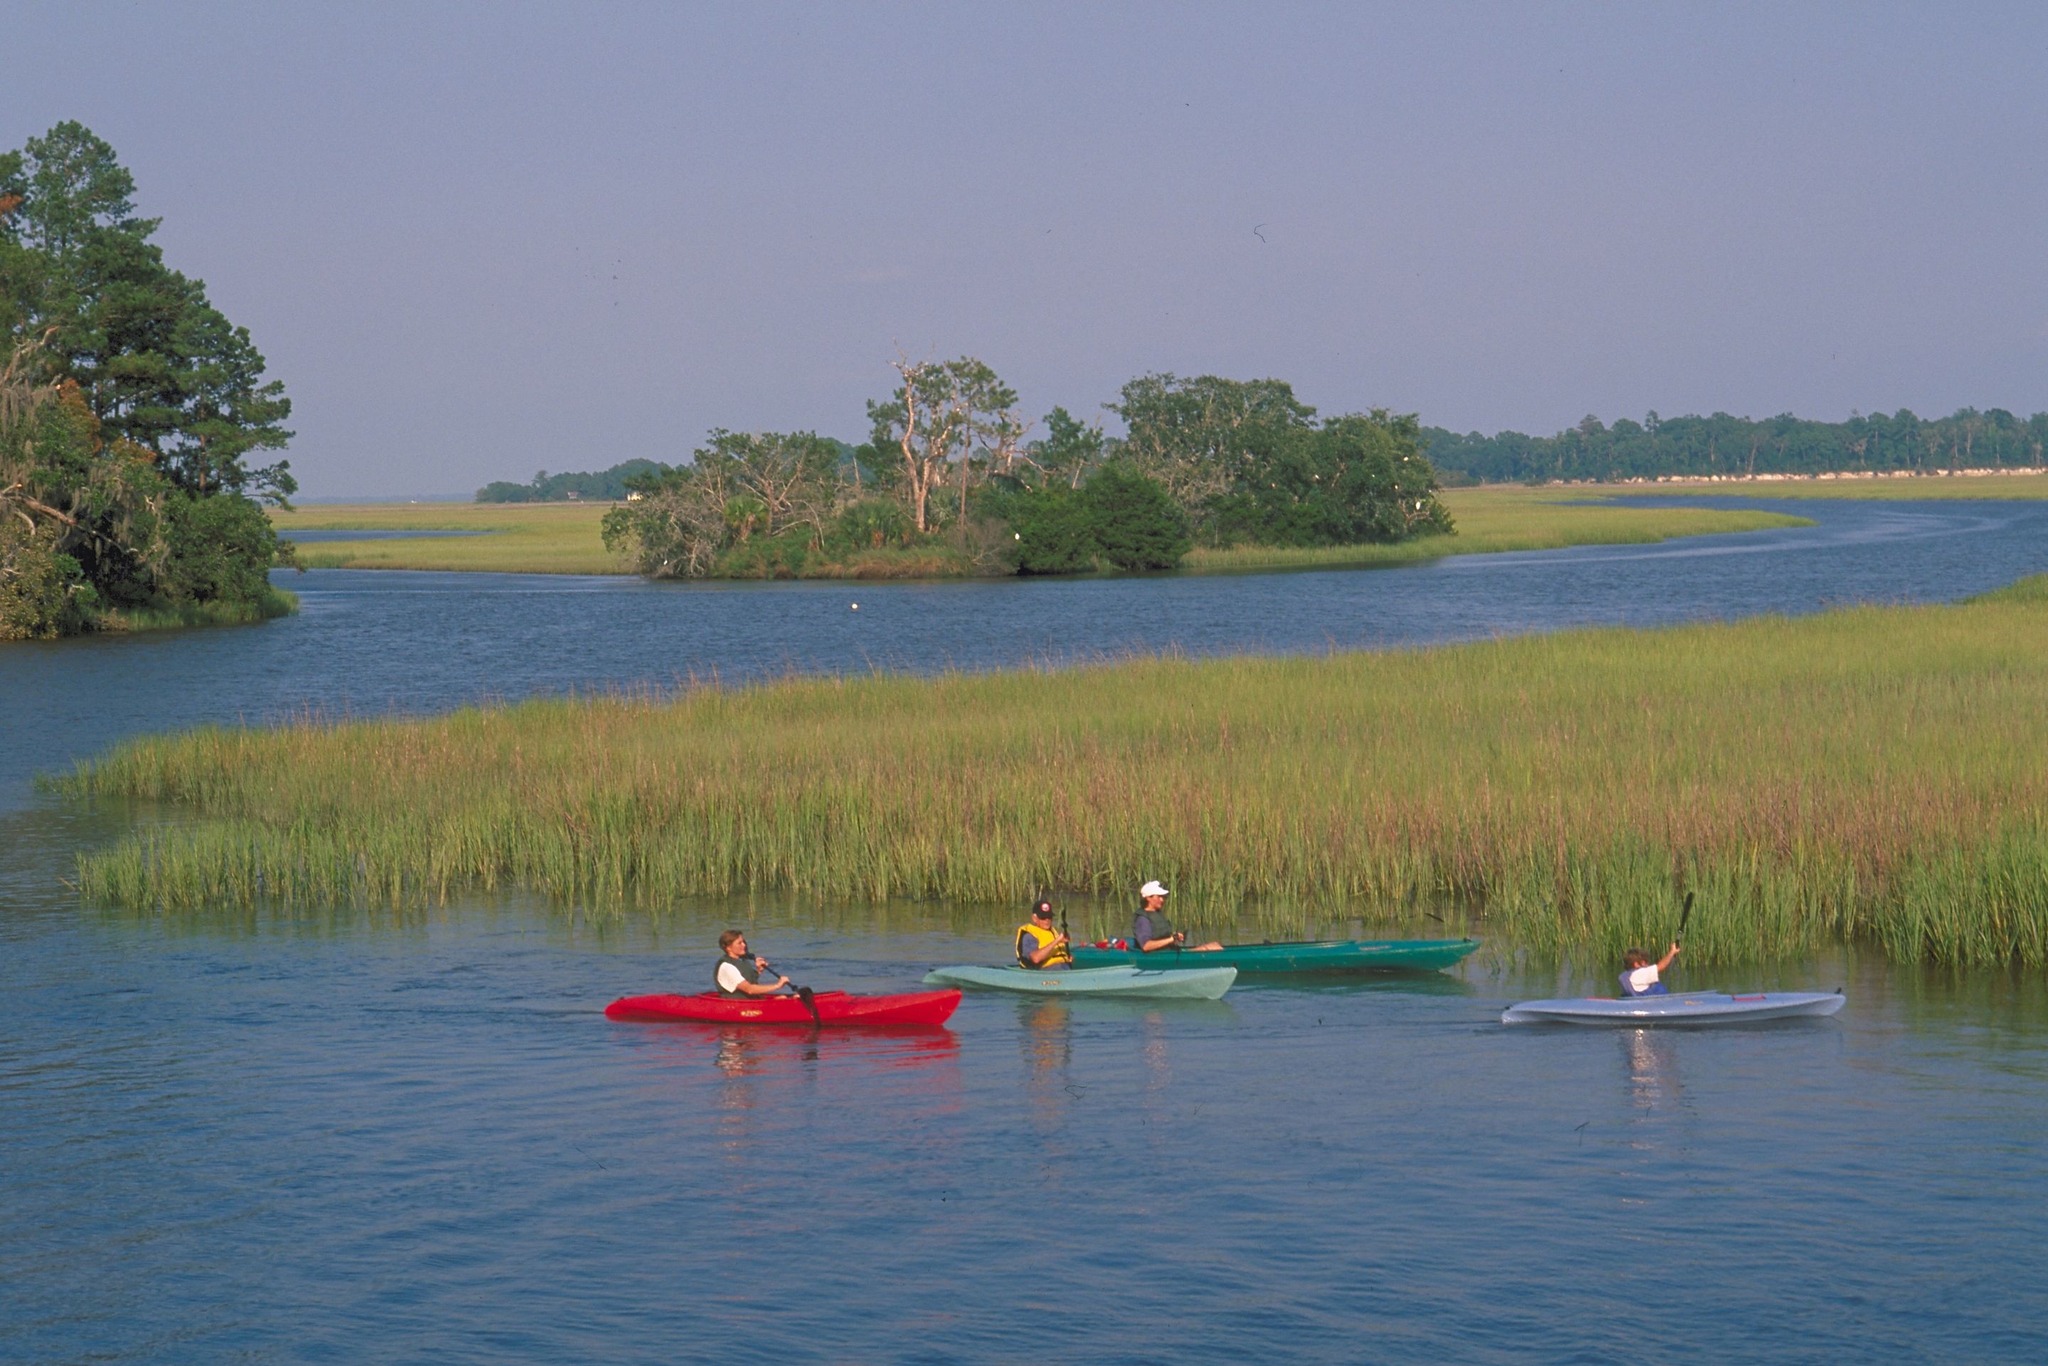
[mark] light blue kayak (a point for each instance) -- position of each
(1679, 1008)
(1203, 984)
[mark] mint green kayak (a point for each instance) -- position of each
(1329, 955)
(1206, 984)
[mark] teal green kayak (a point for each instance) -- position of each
(1330, 955)
(1207, 985)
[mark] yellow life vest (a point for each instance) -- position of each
(1031, 938)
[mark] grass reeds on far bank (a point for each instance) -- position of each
(1872, 774)
(276, 602)
(1893, 487)
(508, 538)
(1506, 517)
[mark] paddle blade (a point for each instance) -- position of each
(810, 1000)
(1684, 915)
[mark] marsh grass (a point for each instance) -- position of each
(1874, 775)
(1503, 518)
(517, 538)
(275, 602)
(1885, 489)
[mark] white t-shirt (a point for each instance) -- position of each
(1640, 979)
(730, 977)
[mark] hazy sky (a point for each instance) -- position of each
(480, 240)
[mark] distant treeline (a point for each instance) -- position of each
(604, 486)
(1726, 445)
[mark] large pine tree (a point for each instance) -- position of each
(132, 411)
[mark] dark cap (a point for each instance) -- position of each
(1041, 907)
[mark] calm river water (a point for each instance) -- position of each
(358, 1139)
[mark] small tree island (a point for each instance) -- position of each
(948, 485)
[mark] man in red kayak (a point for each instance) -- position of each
(740, 975)
(1152, 932)
(1039, 945)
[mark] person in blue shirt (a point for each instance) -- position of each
(1639, 975)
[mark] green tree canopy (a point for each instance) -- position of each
(1136, 523)
(927, 433)
(1068, 451)
(737, 486)
(128, 406)
(1119, 519)
(1248, 462)
(158, 365)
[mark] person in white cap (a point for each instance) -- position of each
(1152, 932)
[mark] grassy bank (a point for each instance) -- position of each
(276, 602)
(508, 538)
(1505, 517)
(1889, 488)
(1873, 774)
(563, 538)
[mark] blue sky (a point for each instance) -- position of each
(480, 240)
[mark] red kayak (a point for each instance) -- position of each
(834, 1008)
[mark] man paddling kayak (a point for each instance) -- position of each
(1039, 945)
(1152, 932)
(740, 975)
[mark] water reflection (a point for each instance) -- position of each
(1650, 1062)
(738, 1052)
(1379, 983)
(1046, 1038)
(1158, 1063)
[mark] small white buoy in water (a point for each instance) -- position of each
(856, 607)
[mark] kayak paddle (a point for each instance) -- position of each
(808, 997)
(1684, 914)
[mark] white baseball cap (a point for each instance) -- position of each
(1154, 888)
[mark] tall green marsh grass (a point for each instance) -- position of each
(1876, 775)
(275, 602)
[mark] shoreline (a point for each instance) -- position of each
(563, 538)
(2026, 484)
